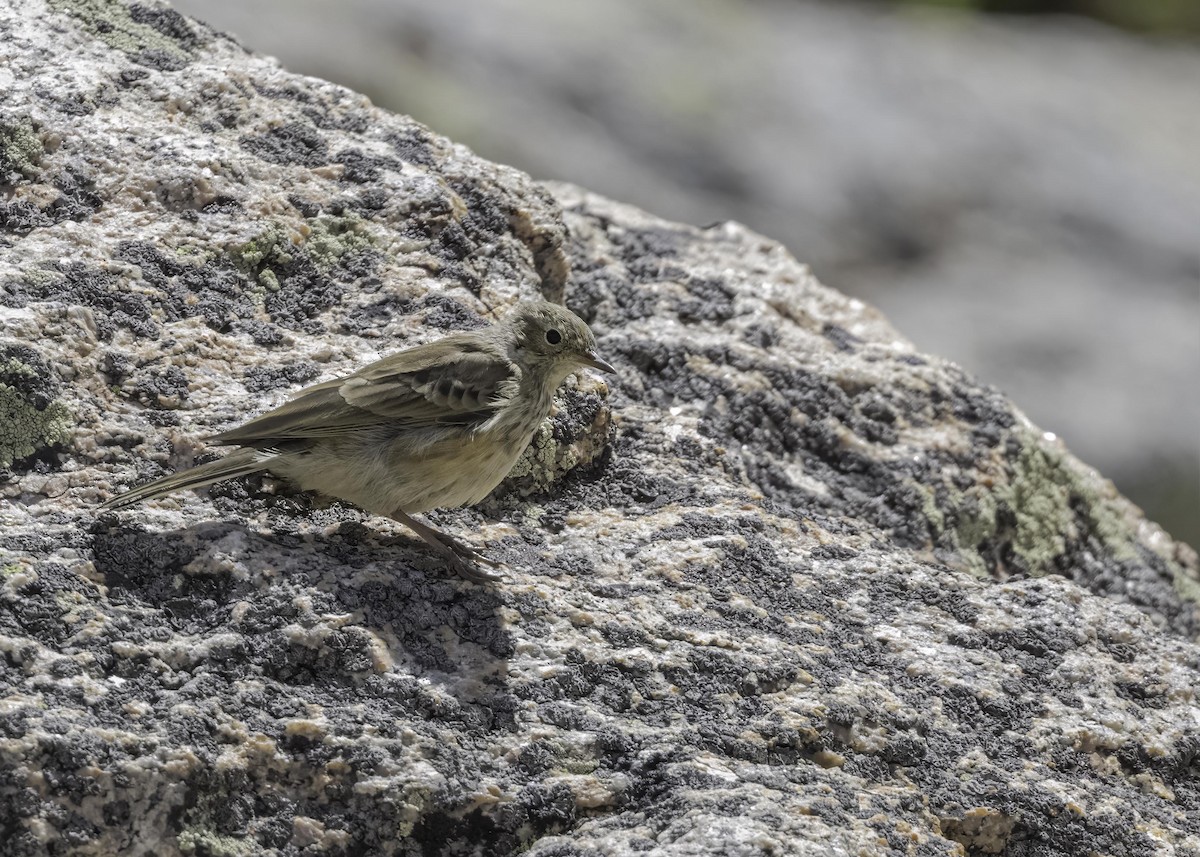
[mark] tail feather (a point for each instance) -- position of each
(240, 463)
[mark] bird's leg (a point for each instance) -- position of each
(460, 555)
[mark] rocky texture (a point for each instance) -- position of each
(1016, 193)
(817, 592)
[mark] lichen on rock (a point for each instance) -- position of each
(782, 584)
(32, 417)
(20, 148)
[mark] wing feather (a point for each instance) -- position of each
(458, 380)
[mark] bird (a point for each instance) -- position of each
(438, 425)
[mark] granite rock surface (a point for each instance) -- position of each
(1017, 193)
(787, 586)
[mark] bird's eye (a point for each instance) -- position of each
(553, 336)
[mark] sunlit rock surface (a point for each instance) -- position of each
(786, 585)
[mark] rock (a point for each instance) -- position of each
(1015, 192)
(816, 591)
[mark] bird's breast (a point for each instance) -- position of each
(465, 466)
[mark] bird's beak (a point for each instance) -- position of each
(590, 358)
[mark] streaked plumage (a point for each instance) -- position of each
(435, 426)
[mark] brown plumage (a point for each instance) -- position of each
(435, 426)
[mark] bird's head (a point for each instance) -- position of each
(554, 339)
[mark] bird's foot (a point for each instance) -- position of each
(465, 561)
(462, 558)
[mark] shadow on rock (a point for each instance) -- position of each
(346, 607)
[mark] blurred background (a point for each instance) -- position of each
(1015, 183)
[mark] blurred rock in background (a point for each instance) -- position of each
(1019, 194)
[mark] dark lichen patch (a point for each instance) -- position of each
(163, 388)
(342, 659)
(445, 313)
(579, 412)
(262, 378)
(307, 208)
(484, 223)
(262, 333)
(761, 335)
(223, 205)
(796, 418)
(67, 102)
(156, 37)
(361, 168)
(130, 77)
(644, 252)
(180, 191)
(22, 216)
(979, 405)
(412, 145)
(290, 91)
(487, 221)
(334, 113)
(369, 320)
(297, 143)
(1144, 578)
(215, 292)
(708, 300)
(371, 200)
(168, 22)
(103, 292)
(141, 562)
(1042, 822)
(841, 338)
(77, 197)
(38, 611)
(76, 200)
(302, 294)
(160, 60)
(598, 293)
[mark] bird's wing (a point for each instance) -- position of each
(454, 381)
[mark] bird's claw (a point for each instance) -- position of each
(467, 567)
(465, 560)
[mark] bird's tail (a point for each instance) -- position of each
(240, 463)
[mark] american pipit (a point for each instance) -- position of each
(435, 426)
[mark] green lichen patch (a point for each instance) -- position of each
(207, 830)
(31, 416)
(270, 249)
(299, 276)
(329, 239)
(1039, 496)
(159, 38)
(1028, 522)
(24, 429)
(212, 844)
(573, 438)
(333, 237)
(21, 149)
